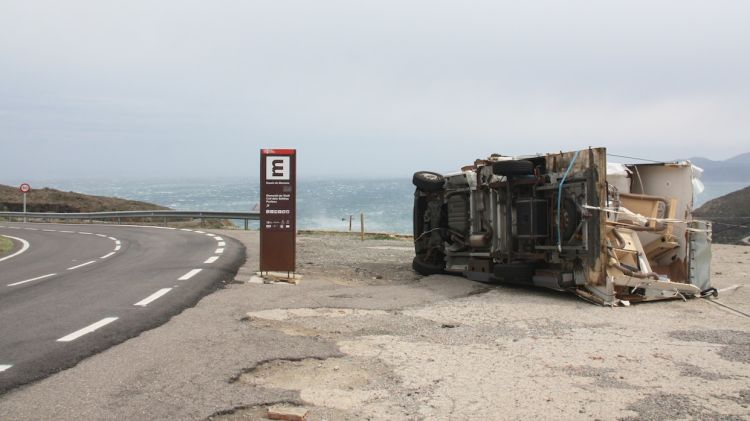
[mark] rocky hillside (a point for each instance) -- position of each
(730, 214)
(51, 200)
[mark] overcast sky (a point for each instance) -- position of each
(363, 88)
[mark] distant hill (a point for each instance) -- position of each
(733, 169)
(51, 200)
(728, 213)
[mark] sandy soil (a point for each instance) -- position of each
(506, 353)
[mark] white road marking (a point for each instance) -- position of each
(24, 246)
(31, 280)
(49, 230)
(219, 251)
(68, 232)
(4, 367)
(211, 259)
(185, 229)
(200, 232)
(144, 302)
(88, 329)
(117, 248)
(221, 244)
(82, 265)
(218, 238)
(189, 275)
(14, 228)
(117, 242)
(112, 238)
(85, 233)
(101, 235)
(32, 229)
(107, 255)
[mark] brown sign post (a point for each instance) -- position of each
(278, 210)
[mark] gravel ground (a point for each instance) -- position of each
(362, 336)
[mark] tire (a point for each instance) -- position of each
(511, 168)
(426, 269)
(514, 273)
(418, 217)
(428, 181)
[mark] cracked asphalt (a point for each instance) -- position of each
(364, 337)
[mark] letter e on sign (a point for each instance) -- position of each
(278, 168)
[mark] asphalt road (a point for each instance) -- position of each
(70, 291)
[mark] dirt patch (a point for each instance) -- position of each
(258, 412)
(344, 384)
(603, 377)
(448, 359)
(338, 258)
(347, 323)
(311, 373)
(742, 398)
(665, 406)
(248, 370)
(736, 343)
(690, 370)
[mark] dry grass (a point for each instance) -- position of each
(51, 200)
(5, 245)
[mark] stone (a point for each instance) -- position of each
(287, 413)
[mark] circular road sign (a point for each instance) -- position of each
(25, 188)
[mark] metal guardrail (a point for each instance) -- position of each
(165, 215)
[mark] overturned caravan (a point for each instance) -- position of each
(612, 234)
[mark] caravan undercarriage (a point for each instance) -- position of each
(612, 234)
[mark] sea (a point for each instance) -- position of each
(322, 203)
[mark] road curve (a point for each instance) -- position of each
(79, 289)
(23, 246)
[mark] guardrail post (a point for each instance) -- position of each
(245, 224)
(119, 221)
(165, 221)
